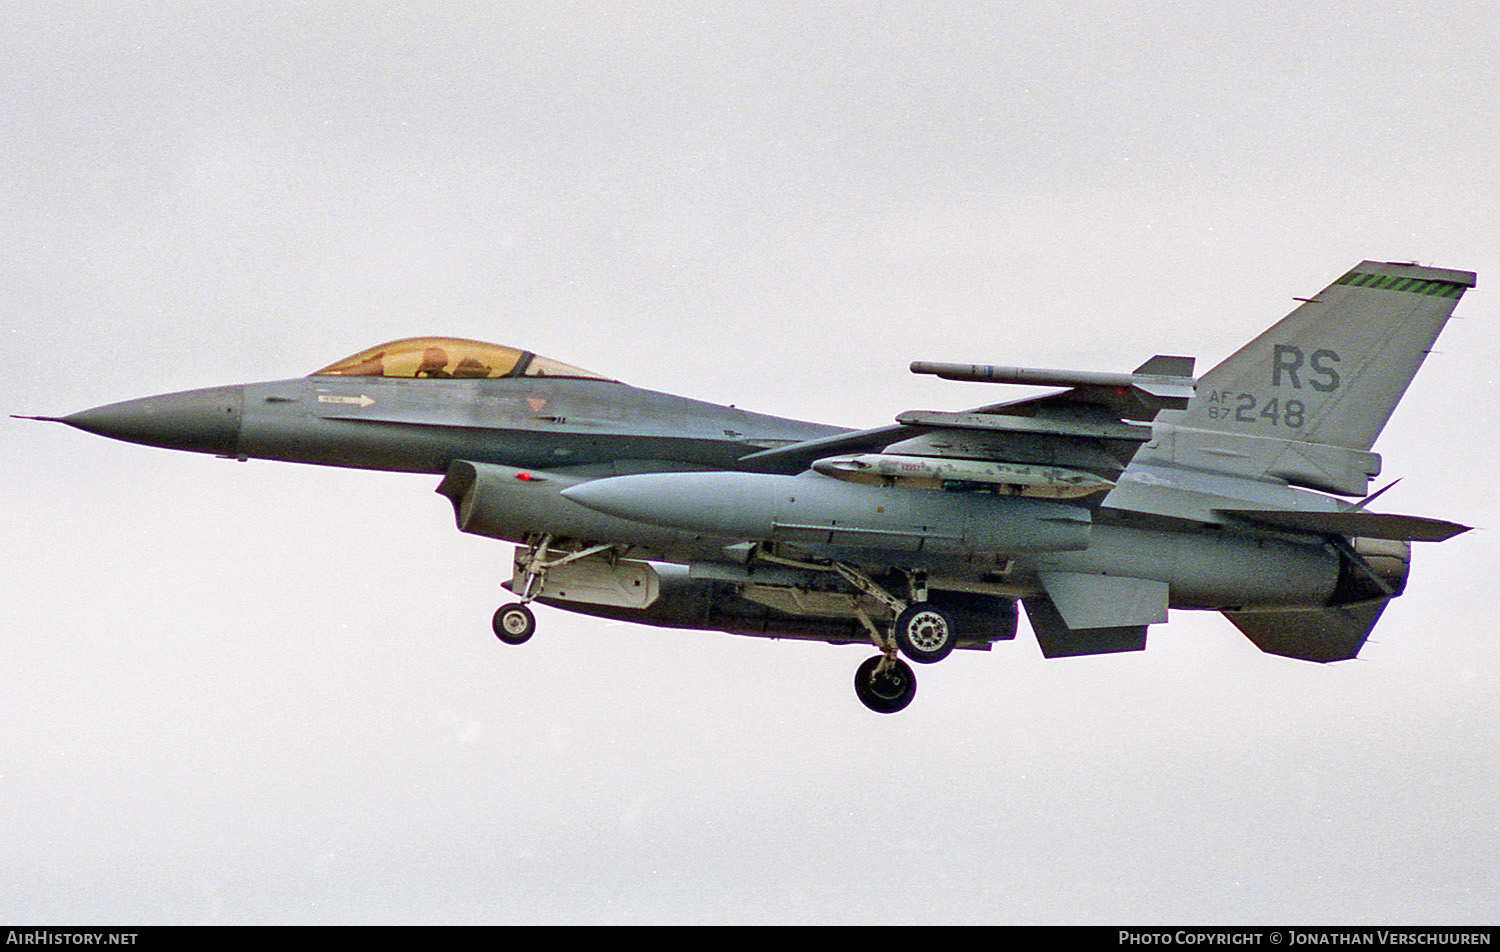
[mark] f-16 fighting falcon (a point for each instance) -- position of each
(1097, 506)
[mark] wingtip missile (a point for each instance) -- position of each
(1161, 383)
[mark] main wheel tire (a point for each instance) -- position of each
(890, 690)
(514, 624)
(924, 634)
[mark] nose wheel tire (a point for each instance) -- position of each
(924, 634)
(514, 624)
(885, 691)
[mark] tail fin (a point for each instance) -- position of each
(1305, 400)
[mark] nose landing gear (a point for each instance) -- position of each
(514, 623)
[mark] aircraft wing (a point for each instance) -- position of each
(1095, 425)
(797, 457)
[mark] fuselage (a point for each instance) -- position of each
(424, 425)
(577, 429)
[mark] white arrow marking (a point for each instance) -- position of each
(359, 401)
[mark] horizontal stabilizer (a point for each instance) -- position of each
(1369, 525)
(1057, 640)
(1321, 634)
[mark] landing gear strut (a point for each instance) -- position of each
(922, 632)
(885, 684)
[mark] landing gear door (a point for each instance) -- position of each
(597, 580)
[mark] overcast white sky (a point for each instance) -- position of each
(265, 693)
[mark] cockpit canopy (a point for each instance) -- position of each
(450, 358)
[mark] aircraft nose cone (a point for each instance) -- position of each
(201, 421)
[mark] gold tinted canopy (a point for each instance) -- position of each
(450, 358)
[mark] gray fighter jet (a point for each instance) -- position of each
(1098, 506)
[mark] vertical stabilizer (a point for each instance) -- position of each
(1305, 400)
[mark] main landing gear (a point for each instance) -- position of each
(885, 684)
(921, 631)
